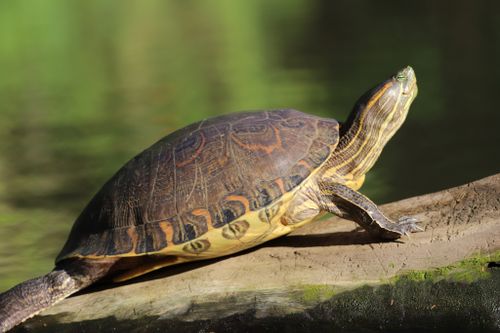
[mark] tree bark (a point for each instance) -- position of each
(327, 275)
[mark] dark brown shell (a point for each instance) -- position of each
(204, 175)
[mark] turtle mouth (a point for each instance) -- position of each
(410, 89)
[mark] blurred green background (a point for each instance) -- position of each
(85, 85)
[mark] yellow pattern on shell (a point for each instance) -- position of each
(258, 232)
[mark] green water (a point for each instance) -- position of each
(85, 85)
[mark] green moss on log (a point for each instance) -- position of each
(313, 294)
(465, 271)
(468, 270)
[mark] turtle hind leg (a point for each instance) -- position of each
(33, 296)
(348, 203)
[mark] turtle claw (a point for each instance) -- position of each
(406, 225)
(407, 219)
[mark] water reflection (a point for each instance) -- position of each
(86, 85)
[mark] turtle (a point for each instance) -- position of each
(223, 185)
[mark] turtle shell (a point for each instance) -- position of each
(199, 178)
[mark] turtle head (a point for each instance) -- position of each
(375, 118)
(391, 101)
(384, 108)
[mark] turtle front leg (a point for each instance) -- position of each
(341, 200)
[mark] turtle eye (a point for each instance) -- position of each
(401, 77)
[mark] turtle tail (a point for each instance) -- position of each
(33, 296)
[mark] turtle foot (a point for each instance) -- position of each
(407, 225)
(404, 226)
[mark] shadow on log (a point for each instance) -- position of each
(328, 275)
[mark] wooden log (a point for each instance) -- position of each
(327, 275)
